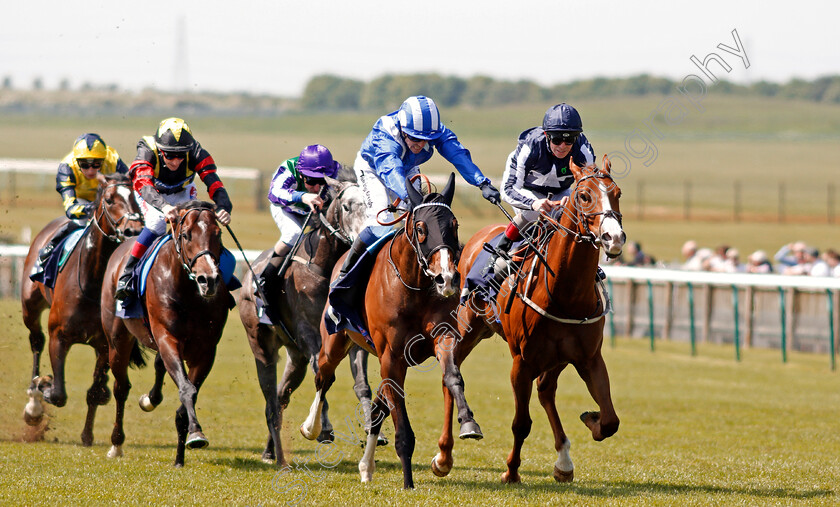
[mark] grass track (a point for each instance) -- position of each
(694, 431)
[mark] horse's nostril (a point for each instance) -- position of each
(623, 237)
(439, 279)
(605, 237)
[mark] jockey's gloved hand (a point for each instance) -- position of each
(89, 208)
(489, 192)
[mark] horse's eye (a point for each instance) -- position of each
(346, 207)
(421, 231)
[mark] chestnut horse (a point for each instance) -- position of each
(186, 307)
(74, 300)
(408, 308)
(550, 315)
(301, 305)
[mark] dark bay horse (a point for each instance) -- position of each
(186, 307)
(306, 283)
(408, 309)
(554, 318)
(74, 301)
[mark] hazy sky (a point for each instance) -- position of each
(276, 46)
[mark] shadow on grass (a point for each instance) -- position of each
(633, 489)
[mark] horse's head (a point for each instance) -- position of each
(432, 230)
(117, 213)
(198, 242)
(595, 203)
(347, 212)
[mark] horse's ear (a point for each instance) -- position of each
(449, 190)
(414, 196)
(335, 186)
(607, 164)
(577, 171)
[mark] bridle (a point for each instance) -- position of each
(422, 259)
(179, 237)
(584, 234)
(118, 236)
(337, 233)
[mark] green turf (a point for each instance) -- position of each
(699, 430)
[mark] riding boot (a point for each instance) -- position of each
(60, 234)
(356, 251)
(124, 283)
(267, 279)
(499, 259)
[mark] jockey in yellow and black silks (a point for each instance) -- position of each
(78, 178)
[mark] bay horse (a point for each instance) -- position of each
(408, 308)
(550, 314)
(73, 302)
(186, 308)
(301, 303)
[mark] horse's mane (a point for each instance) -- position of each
(201, 205)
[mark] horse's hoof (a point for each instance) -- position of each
(440, 471)
(145, 403)
(381, 440)
(509, 477)
(471, 430)
(325, 436)
(561, 476)
(309, 434)
(32, 420)
(87, 440)
(115, 451)
(197, 440)
(365, 472)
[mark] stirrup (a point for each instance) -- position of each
(123, 288)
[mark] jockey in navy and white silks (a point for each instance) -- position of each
(296, 188)
(537, 175)
(398, 143)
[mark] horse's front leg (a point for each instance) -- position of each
(521, 381)
(391, 392)
(603, 423)
(564, 469)
(186, 422)
(98, 394)
(333, 350)
(149, 401)
(55, 393)
(120, 344)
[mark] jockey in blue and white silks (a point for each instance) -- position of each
(398, 143)
(537, 175)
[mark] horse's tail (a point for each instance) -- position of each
(138, 356)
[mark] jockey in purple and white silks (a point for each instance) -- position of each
(295, 190)
(398, 143)
(537, 175)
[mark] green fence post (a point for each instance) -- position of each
(783, 312)
(650, 313)
(736, 319)
(830, 300)
(692, 332)
(612, 316)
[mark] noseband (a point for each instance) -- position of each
(188, 264)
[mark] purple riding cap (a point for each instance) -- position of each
(316, 161)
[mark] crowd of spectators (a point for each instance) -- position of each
(791, 259)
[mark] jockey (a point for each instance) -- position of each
(537, 176)
(78, 178)
(162, 176)
(295, 189)
(393, 150)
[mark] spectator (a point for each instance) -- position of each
(791, 255)
(731, 262)
(718, 259)
(832, 259)
(637, 257)
(758, 262)
(691, 260)
(818, 266)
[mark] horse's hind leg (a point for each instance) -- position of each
(55, 394)
(521, 380)
(564, 469)
(119, 353)
(603, 423)
(149, 401)
(333, 350)
(361, 386)
(33, 306)
(277, 397)
(98, 394)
